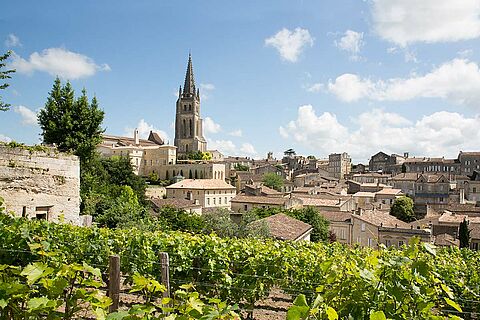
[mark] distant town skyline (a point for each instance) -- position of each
(319, 77)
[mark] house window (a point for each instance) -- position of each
(214, 201)
(208, 201)
(400, 243)
(245, 207)
(226, 201)
(388, 243)
(363, 226)
(343, 234)
(219, 200)
(370, 242)
(24, 212)
(474, 190)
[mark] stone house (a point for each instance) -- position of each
(339, 165)
(371, 177)
(210, 193)
(372, 227)
(405, 182)
(472, 187)
(191, 206)
(431, 189)
(340, 224)
(283, 227)
(40, 183)
(468, 162)
(322, 203)
(244, 203)
(432, 165)
(388, 196)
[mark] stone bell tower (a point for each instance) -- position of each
(188, 124)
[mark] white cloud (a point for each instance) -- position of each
(236, 133)
(410, 56)
(438, 134)
(465, 53)
(351, 42)
(4, 138)
(227, 147)
(207, 86)
(210, 126)
(12, 41)
(408, 21)
(316, 87)
(457, 80)
(29, 117)
(58, 62)
(290, 44)
(349, 87)
(144, 129)
(248, 149)
(205, 89)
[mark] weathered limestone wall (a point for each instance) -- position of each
(38, 184)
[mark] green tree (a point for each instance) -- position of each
(102, 180)
(123, 210)
(4, 74)
(241, 167)
(73, 125)
(290, 152)
(402, 209)
(464, 234)
(272, 180)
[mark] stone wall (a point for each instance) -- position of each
(40, 184)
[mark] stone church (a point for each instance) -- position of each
(188, 123)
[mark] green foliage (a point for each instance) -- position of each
(273, 180)
(73, 125)
(241, 167)
(4, 74)
(418, 282)
(220, 222)
(111, 192)
(199, 155)
(464, 234)
(402, 209)
(308, 215)
(70, 291)
(180, 220)
(290, 152)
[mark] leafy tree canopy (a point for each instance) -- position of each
(4, 74)
(241, 167)
(402, 209)
(464, 234)
(73, 125)
(273, 180)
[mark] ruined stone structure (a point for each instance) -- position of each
(43, 184)
(188, 123)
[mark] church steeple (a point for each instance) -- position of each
(189, 86)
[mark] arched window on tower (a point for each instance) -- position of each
(191, 128)
(184, 129)
(186, 148)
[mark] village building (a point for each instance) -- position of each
(210, 193)
(340, 224)
(244, 203)
(339, 165)
(283, 227)
(468, 162)
(40, 183)
(373, 227)
(190, 206)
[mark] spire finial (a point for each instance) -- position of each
(189, 86)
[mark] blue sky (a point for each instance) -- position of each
(316, 76)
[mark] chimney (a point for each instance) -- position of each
(136, 138)
(462, 196)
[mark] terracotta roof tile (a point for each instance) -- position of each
(284, 227)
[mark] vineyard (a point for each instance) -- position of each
(329, 281)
